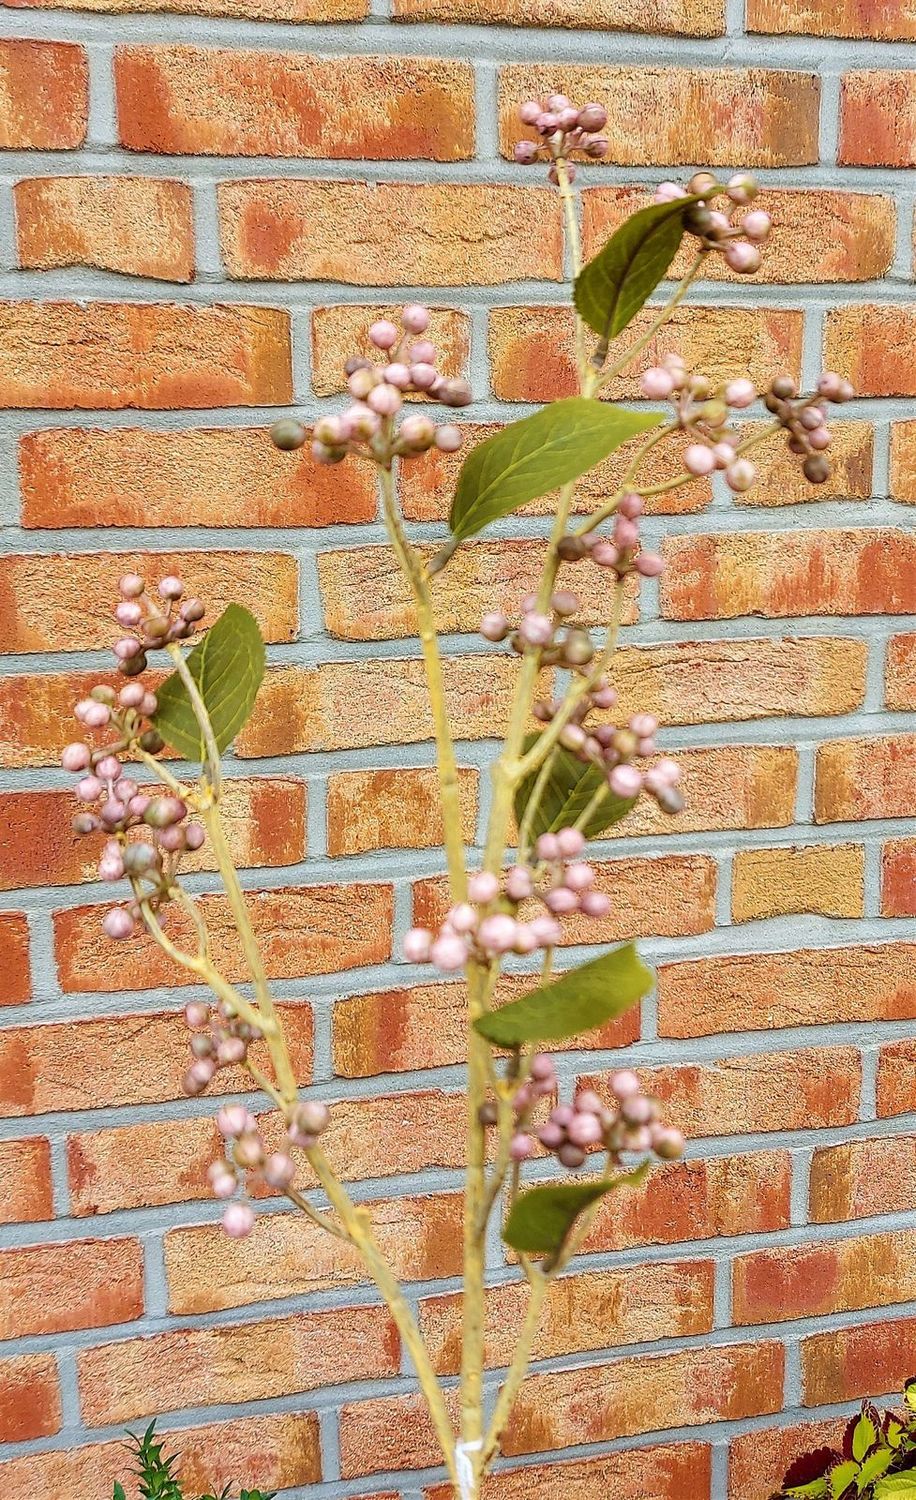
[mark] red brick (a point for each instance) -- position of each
(209, 477)
(394, 809)
(759, 1459)
(111, 355)
(14, 956)
(867, 1360)
(185, 100)
(397, 1031)
(29, 1398)
(669, 17)
(390, 233)
(58, 603)
(827, 881)
(140, 1166)
(901, 672)
(140, 226)
(390, 1432)
(249, 1362)
(756, 991)
(878, 119)
(598, 1310)
(896, 1078)
(903, 458)
(532, 349)
(268, 1450)
(317, 930)
(889, 21)
(868, 344)
(898, 879)
(257, 10)
(858, 1179)
(674, 116)
(336, 331)
(662, 1472)
(25, 1180)
(784, 573)
(113, 1060)
(55, 1288)
(802, 1281)
(865, 778)
(44, 100)
(781, 481)
(644, 1394)
(286, 1255)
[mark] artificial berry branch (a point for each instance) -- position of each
(571, 765)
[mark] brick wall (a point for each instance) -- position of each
(197, 210)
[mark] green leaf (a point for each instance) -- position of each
(118, 1492)
(615, 284)
(863, 1437)
(814, 1490)
(841, 1476)
(897, 1487)
(227, 666)
(542, 1218)
(873, 1467)
(577, 1001)
(570, 787)
(533, 456)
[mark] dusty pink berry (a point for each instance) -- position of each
(570, 1155)
(529, 111)
(118, 923)
(625, 781)
(668, 1143)
(197, 1013)
(656, 383)
(448, 438)
(742, 188)
(232, 1120)
(536, 629)
(494, 627)
(570, 842)
(483, 886)
(171, 587)
(757, 225)
(131, 586)
(525, 153)
(740, 393)
(417, 944)
(75, 757)
(740, 475)
(422, 352)
(741, 257)
(521, 1146)
(820, 438)
(594, 903)
(547, 930)
(699, 459)
(415, 317)
(238, 1220)
(449, 952)
(579, 877)
(666, 192)
(561, 901)
(649, 564)
(223, 1183)
(313, 1116)
(497, 933)
(383, 334)
(584, 1130)
(462, 918)
(519, 884)
(279, 1169)
(548, 846)
(384, 399)
(624, 1084)
(592, 117)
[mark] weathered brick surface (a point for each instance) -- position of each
(56, 1288)
(878, 119)
(825, 880)
(44, 95)
(137, 225)
(29, 1398)
(865, 778)
(25, 1180)
(858, 1179)
(901, 672)
(890, 21)
(856, 1361)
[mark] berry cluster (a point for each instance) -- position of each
(614, 750)
(367, 427)
(246, 1152)
(563, 128)
(155, 623)
(487, 925)
(716, 230)
(805, 420)
(220, 1040)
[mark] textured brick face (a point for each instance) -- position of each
(44, 95)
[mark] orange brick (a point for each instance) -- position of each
(257, 10)
(184, 100)
(390, 233)
(111, 1061)
(865, 778)
(44, 96)
(14, 956)
(878, 119)
(670, 896)
(780, 480)
(398, 1031)
(338, 332)
(25, 1181)
(782, 573)
(316, 708)
(896, 1079)
(868, 343)
(29, 1398)
(668, 17)
(817, 235)
(903, 459)
(250, 1362)
(867, 1360)
(111, 355)
(898, 879)
(645, 1394)
(427, 482)
(901, 672)
(140, 1166)
(758, 1460)
(206, 477)
(697, 1200)
(394, 809)
(776, 1091)
(36, 714)
(891, 21)
(390, 1432)
(661, 1472)
(269, 1450)
(286, 1255)
(827, 881)
(669, 115)
(59, 603)
(313, 931)
(801, 1281)
(582, 1313)
(858, 1179)
(755, 991)
(141, 226)
(532, 349)
(366, 598)
(59, 1287)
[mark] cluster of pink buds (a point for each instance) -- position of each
(805, 420)
(379, 388)
(221, 1040)
(563, 128)
(703, 415)
(487, 925)
(613, 750)
(154, 622)
(737, 240)
(247, 1152)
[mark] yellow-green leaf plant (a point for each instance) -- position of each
(571, 764)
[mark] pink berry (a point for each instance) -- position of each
(547, 930)
(448, 438)
(584, 1130)
(529, 111)
(669, 1143)
(820, 438)
(570, 842)
(397, 375)
(89, 789)
(740, 393)
(548, 846)
(232, 1120)
(518, 883)
(525, 153)
(238, 1220)
(197, 1013)
(579, 877)
(496, 933)
(743, 258)
(75, 757)
(656, 383)
(385, 400)
(536, 629)
(624, 1084)
(699, 459)
(223, 1184)
(483, 887)
(383, 334)
(494, 627)
(561, 901)
(449, 953)
(96, 715)
(740, 475)
(521, 1146)
(313, 1116)
(667, 192)
(415, 318)
(594, 903)
(462, 918)
(417, 944)
(542, 1066)
(423, 353)
(649, 564)
(756, 225)
(625, 781)
(131, 586)
(132, 695)
(279, 1169)
(171, 587)
(118, 924)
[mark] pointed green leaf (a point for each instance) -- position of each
(227, 666)
(897, 1487)
(814, 1490)
(568, 791)
(615, 284)
(863, 1436)
(542, 1218)
(841, 1476)
(537, 454)
(873, 1467)
(577, 1001)
(118, 1492)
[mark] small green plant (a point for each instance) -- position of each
(157, 1481)
(876, 1459)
